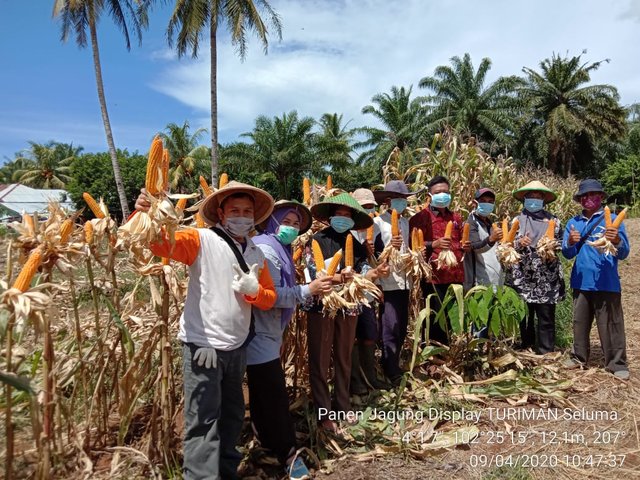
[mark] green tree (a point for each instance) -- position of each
(186, 156)
(188, 21)
(78, 15)
(281, 147)
(46, 165)
(92, 173)
(11, 166)
(402, 124)
(460, 98)
(334, 142)
(567, 115)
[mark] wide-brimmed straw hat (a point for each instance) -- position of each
(393, 189)
(535, 186)
(305, 214)
(263, 202)
(324, 210)
(589, 185)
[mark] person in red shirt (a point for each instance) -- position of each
(433, 222)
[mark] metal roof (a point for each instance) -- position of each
(18, 198)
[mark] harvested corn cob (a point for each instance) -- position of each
(205, 187)
(154, 183)
(505, 230)
(88, 232)
(548, 245)
(23, 282)
(607, 216)
(93, 205)
(335, 262)
(348, 251)
(551, 229)
(65, 230)
(31, 226)
(421, 238)
(465, 232)
(395, 228)
(224, 179)
(181, 204)
(618, 221)
(515, 226)
(199, 221)
(306, 191)
(329, 183)
(297, 255)
(602, 243)
(317, 255)
(448, 230)
(165, 169)
(165, 261)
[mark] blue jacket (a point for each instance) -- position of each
(592, 270)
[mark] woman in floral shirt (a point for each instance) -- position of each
(540, 283)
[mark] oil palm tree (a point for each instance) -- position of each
(334, 142)
(568, 115)
(185, 153)
(187, 23)
(76, 16)
(46, 165)
(460, 98)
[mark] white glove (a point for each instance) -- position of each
(206, 357)
(246, 283)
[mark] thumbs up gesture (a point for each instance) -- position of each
(246, 283)
(574, 236)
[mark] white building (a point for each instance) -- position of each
(16, 198)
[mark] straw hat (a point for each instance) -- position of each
(364, 196)
(324, 210)
(263, 202)
(305, 214)
(535, 186)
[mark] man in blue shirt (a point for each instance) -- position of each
(595, 281)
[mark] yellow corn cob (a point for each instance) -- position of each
(23, 282)
(348, 251)
(93, 205)
(224, 179)
(205, 187)
(297, 255)
(329, 182)
(199, 221)
(165, 169)
(465, 232)
(414, 240)
(551, 229)
(88, 232)
(395, 228)
(317, 255)
(448, 230)
(154, 167)
(505, 230)
(65, 230)
(335, 261)
(306, 191)
(165, 261)
(420, 239)
(618, 221)
(511, 236)
(607, 217)
(181, 204)
(31, 226)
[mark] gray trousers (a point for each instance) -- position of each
(213, 415)
(606, 307)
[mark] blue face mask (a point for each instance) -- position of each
(441, 200)
(370, 210)
(399, 204)
(533, 205)
(341, 224)
(287, 234)
(485, 209)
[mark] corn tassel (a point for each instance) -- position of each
(306, 191)
(88, 232)
(607, 216)
(551, 230)
(205, 187)
(348, 252)
(465, 232)
(511, 236)
(23, 282)
(93, 205)
(618, 221)
(199, 221)
(317, 255)
(448, 230)
(395, 228)
(329, 183)
(65, 230)
(297, 255)
(224, 179)
(155, 167)
(333, 265)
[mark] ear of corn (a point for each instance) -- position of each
(335, 261)
(199, 221)
(414, 239)
(165, 169)
(88, 232)
(348, 251)
(181, 204)
(329, 182)
(306, 191)
(511, 236)
(93, 205)
(465, 232)
(551, 229)
(154, 182)
(607, 216)
(165, 261)
(395, 228)
(31, 226)
(224, 179)
(65, 230)
(448, 230)
(23, 282)
(205, 187)
(297, 255)
(420, 238)
(505, 230)
(618, 221)
(370, 230)
(318, 258)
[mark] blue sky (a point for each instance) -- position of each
(334, 56)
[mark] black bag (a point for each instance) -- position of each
(586, 236)
(245, 268)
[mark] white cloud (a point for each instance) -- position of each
(336, 55)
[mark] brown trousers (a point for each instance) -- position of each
(326, 337)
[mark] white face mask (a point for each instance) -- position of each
(238, 226)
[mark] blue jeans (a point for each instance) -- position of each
(213, 415)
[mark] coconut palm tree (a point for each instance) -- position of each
(78, 15)
(460, 98)
(188, 21)
(185, 153)
(401, 121)
(568, 116)
(46, 165)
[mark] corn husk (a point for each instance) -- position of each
(547, 248)
(604, 246)
(446, 259)
(399, 262)
(360, 291)
(507, 254)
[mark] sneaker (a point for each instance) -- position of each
(298, 470)
(621, 374)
